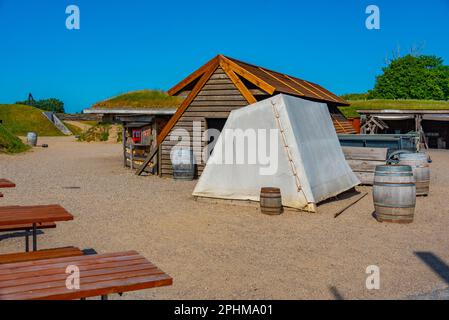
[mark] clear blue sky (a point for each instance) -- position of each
(137, 44)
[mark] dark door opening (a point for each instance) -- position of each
(214, 126)
(437, 134)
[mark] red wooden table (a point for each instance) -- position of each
(13, 215)
(6, 184)
(100, 275)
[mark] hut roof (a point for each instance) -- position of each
(272, 82)
(242, 74)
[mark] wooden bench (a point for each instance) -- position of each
(34, 215)
(100, 275)
(27, 227)
(40, 255)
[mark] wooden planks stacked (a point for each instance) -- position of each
(363, 161)
(100, 275)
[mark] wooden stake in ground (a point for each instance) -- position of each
(350, 205)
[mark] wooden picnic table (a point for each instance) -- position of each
(6, 184)
(100, 275)
(14, 215)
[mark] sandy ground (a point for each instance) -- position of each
(215, 250)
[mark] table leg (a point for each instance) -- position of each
(27, 240)
(34, 237)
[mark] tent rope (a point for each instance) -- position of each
(287, 149)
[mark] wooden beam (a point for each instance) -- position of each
(146, 162)
(247, 75)
(184, 105)
(281, 81)
(193, 76)
(238, 83)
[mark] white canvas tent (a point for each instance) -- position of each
(306, 160)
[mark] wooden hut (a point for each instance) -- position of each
(222, 85)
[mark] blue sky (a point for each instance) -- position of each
(137, 44)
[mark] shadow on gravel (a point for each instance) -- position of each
(435, 264)
(337, 295)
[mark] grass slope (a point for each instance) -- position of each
(20, 119)
(9, 143)
(351, 111)
(140, 99)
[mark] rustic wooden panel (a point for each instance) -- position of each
(364, 165)
(365, 177)
(215, 86)
(360, 153)
(225, 92)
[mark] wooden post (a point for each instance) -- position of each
(362, 124)
(124, 143)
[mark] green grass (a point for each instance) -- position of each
(74, 129)
(351, 111)
(140, 99)
(9, 143)
(20, 119)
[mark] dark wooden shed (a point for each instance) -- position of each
(224, 84)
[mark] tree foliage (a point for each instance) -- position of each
(52, 104)
(413, 77)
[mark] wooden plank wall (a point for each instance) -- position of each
(217, 99)
(363, 161)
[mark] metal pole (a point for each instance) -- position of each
(34, 237)
(27, 240)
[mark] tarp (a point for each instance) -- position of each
(306, 160)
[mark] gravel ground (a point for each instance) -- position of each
(222, 251)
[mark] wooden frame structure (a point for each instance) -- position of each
(224, 84)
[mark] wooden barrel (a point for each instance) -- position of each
(421, 170)
(270, 201)
(32, 139)
(183, 163)
(394, 193)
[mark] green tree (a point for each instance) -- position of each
(51, 104)
(413, 77)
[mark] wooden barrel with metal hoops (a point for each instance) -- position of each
(421, 170)
(270, 201)
(394, 193)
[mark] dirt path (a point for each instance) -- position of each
(230, 252)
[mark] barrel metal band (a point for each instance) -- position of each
(393, 206)
(386, 184)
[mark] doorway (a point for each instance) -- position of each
(214, 126)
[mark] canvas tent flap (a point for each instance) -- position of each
(305, 158)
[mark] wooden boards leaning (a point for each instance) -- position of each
(363, 161)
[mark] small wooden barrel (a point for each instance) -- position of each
(183, 163)
(394, 193)
(421, 170)
(32, 139)
(271, 201)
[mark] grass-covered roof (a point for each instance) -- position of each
(141, 99)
